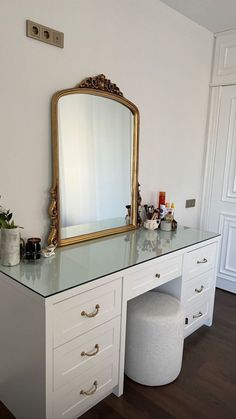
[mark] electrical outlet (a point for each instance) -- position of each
(190, 203)
(32, 29)
(44, 34)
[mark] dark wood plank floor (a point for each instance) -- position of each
(205, 389)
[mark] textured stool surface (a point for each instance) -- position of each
(155, 305)
(154, 341)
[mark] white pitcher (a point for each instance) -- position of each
(10, 246)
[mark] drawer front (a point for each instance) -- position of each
(197, 287)
(158, 273)
(75, 358)
(85, 311)
(71, 400)
(199, 261)
(195, 314)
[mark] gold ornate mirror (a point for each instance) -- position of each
(95, 162)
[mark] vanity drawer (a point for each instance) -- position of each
(83, 312)
(197, 287)
(199, 261)
(69, 402)
(196, 314)
(145, 279)
(75, 358)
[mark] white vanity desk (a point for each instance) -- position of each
(56, 313)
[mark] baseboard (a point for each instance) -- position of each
(226, 285)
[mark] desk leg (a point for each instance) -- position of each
(119, 389)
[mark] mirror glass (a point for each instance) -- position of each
(95, 145)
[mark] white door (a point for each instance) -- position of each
(221, 188)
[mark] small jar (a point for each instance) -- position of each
(33, 249)
(166, 225)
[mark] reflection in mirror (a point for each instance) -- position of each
(95, 160)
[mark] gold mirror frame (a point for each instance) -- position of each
(99, 86)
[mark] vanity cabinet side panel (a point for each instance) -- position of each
(213, 285)
(22, 350)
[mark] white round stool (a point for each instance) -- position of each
(154, 339)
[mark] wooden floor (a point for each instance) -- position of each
(205, 389)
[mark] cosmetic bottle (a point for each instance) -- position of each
(162, 211)
(173, 209)
(162, 199)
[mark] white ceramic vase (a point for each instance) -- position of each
(10, 246)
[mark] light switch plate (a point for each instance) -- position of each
(190, 203)
(44, 34)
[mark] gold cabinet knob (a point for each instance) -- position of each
(96, 347)
(91, 391)
(204, 260)
(93, 314)
(200, 314)
(199, 289)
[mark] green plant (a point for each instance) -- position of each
(6, 220)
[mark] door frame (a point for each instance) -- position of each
(209, 163)
(210, 154)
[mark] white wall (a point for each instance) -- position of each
(159, 59)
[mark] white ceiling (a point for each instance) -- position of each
(214, 15)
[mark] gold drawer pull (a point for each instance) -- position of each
(204, 260)
(199, 289)
(91, 391)
(91, 353)
(158, 275)
(200, 314)
(93, 314)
